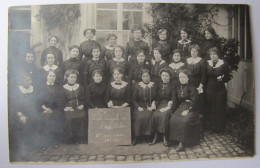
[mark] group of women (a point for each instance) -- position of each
(166, 89)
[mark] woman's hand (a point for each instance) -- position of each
(80, 107)
(170, 103)
(68, 109)
(153, 106)
(110, 104)
(150, 109)
(185, 112)
(220, 78)
(23, 119)
(200, 89)
(140, 109)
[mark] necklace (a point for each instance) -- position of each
(183, 90)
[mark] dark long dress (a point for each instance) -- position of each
(90, 66)
(59, 77)
(216, 94)
(185, 129)
(53, 123)
(135, 73)
(143, 96)
(184, 46)
(175, 68)
(118, 93)
(161, 120)
(86, 49)
(156, 66)
(76, 125)
(166, 49)
(205, 46)
(95, 95)
(121, 64)
(133, 46)
(57, 53)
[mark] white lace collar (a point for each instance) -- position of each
(47, 67)
(176, 65)
(122, 85)
(161, 62)
(119, 60)
(50, 84)
(184, 42)
(219, 63)
(24, 90)
(71, 88)
(149, 85)
(192, 60)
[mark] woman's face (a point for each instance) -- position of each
(137, 34)
(50, 59)
(140, 57)
(112, 41)
(51, 77)
(27, 81)
(118, 53)
(146, 77)
(183, 78)
(74, 53)
(89, 35)
(194, 52)
(117, 75)
(29, 58)
(157, 55)
(72, 78)
(53, 42)
(184, 35)
(95, 53)
(176, 57)
(97, 78)
(165, 77)
(208, 35)
(213, 56)
(163, 35)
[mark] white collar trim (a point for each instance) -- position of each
(113, 84)
(71, 88)
(149, 85)
(219, 63)
(161, 62)
(186, 42)
(47, 67)
(192, 60)
(119, 60)
(24, 90)
(176, 65)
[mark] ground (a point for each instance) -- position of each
(212, 146)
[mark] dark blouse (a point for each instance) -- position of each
(123, 65)
(132, 46)
(86, 48)
(166, 92)
(156, 67)
(57, 52)
(184, 47)
(135, 72)
(59, 76)
(33, 71)
(107, 53)
(73, 97)
(175, 68)
(95, 95)
(205, 46)
(166, 49)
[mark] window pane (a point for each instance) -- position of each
(20, 19)
(107, 5)
(107, 20)
(130, 19)
(132, 6)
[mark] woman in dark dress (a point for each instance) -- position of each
(118, 93)
(176, 66)
(161, 116)
(209, 42)
(95, 92)
(118, 62)
(136, 44)
(184, 43)
(94, 63)
(185, 121)
(157, 64)
(144, 96)
(50, 107)
(107, 52)
(164, 44)
(53, 40)
(74, 110)
(86, 47)
(73, 63)
(216, 93)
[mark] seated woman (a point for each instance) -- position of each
(75, 115)
(185, 121)
(162, 115)
(144, 96)
(95, 92)
(118, 93)
(49, 104)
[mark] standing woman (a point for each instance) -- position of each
(209, 42)
(95, 92)
(164, 44)
(74, 110)
(53, 40)
(118, 93)
(216, 93)
(185, 121)
(162, 115)
(144, 96)
(184, 43)
(108, 50)
(87, 46)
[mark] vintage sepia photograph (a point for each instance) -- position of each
(130, 83)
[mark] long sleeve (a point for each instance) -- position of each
(43, 57)
(88, 98)
(194, 95)
(108, 94)
(127, 51)
(134, 98)
(203, 73)
(128, 94)
(175, 101)
(226, 77)
(60, 57)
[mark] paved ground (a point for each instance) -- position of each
(213, 146)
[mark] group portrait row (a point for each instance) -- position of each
(175, 90)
